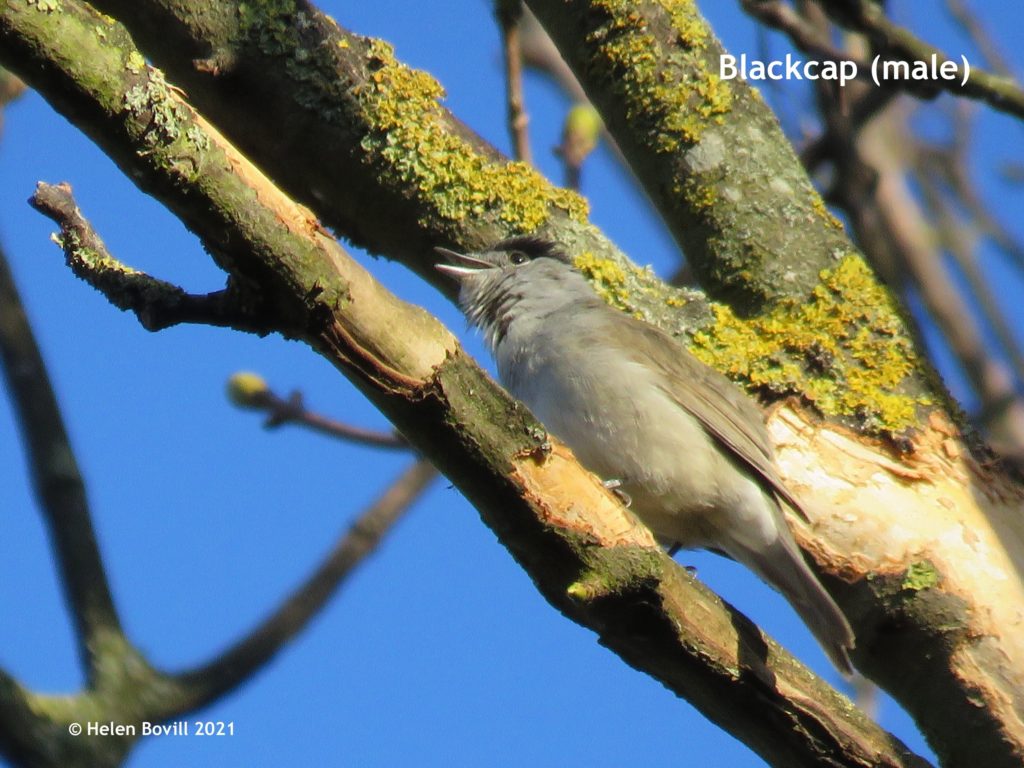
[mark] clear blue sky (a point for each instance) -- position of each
(439, 651)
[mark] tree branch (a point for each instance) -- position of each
(58, 483)
(206, 683)
(707, 150)
(586, 553)
(247, 390)
(347, 129)
(646, 64)
(890, 39)
(156, 303)
(509, 13)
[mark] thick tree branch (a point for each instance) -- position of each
(708, 151)
(171, 31)
(347, 129)
(586, 554)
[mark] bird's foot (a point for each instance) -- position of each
(615, 486)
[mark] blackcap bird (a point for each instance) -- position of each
(686, 445)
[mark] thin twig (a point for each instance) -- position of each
(509, 14)
(248, 390)
(781, 16)
(215, 678)
(895, 41)
(979, 35)
(156, 303)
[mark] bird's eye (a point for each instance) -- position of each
(518, 257)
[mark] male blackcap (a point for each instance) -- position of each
(683, 442)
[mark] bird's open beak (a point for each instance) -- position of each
(460, 265)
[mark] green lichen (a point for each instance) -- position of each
(844, 351)
(169, 129)
(672, 95)
(920, 575)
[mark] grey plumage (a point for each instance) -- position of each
(688, 447)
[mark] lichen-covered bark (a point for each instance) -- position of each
(713, 158)
(341, 135)
(364, 140)
(585, 552)
(707, 150)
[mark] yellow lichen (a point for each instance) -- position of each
(136, 62)
(675, 94)
(844, 350)
(413, 145)
(608, 278)
(824, 213)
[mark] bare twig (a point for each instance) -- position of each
(895, 41)
(982, 39)
(779, 15)
(156, 303)
(217, 677)
(248, 390)
(541, 54)
(509, 13)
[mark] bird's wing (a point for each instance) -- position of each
(725, 411)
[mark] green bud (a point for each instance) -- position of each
(247, 389)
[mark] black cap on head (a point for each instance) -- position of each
(533, 246)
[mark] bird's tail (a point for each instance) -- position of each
(783, 567)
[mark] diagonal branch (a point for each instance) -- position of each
(58, 482)
(890, 39)
(586, 554)
(249, 390)
(206, 683)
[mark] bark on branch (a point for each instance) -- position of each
(586, 554)
(917, 535)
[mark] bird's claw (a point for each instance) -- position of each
(615, 486)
